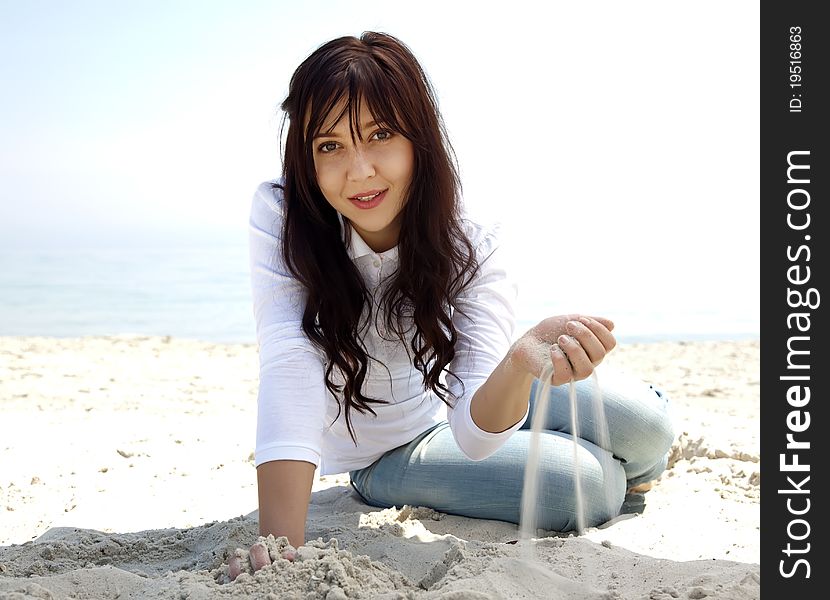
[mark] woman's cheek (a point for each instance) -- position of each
(325, 175)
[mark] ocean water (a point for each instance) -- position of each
(204, 293)
(198, 293)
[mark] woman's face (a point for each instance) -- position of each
(378, 169)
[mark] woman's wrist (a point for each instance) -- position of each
(527, 356)
(502, 400)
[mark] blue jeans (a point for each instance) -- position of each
(432, 471)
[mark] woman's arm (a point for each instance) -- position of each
(291, 399)
(502, 400)
(284, 493)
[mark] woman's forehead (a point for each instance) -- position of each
(340, 117)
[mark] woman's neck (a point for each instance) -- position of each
(379, 242)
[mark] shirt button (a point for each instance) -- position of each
(376, 263)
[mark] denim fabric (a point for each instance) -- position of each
(432, 471)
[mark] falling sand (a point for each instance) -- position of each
(530, 493)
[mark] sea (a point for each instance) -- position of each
(204, 293)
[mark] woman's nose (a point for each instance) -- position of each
(360, 166)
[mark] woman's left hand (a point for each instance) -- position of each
(574, 343)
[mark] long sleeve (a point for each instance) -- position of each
(292, 394)
(485, 331)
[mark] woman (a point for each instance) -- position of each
(385, 319)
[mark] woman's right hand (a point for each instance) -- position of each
(284, 493)
(258, 557)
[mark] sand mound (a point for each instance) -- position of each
(391, 555)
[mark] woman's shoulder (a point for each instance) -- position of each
(267, 207)
(269, 193)
(484, 234)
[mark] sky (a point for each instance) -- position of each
(618, 143)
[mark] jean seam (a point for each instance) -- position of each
(357, 491)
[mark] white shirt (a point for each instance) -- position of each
(296, 410)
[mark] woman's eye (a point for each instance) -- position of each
(327, 147)
(384, 135)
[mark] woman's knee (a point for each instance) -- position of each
(661, 429)
(640, 420)
(590, 487)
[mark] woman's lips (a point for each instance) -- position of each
(369, 203)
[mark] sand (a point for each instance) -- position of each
(126, 471)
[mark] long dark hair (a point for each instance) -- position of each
(436, 259)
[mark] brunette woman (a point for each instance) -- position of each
(385, 317)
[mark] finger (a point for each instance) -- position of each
(580, 363)
(602, 331)
(607, 323)
(562, 372)
(589, 342)
(234, 567)
(289, 555)
(259, 556)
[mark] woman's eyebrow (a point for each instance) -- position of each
(332, 134)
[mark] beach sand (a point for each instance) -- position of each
(126, 471)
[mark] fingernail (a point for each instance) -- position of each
(563, 339)
(572, 326)
(584, 320)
